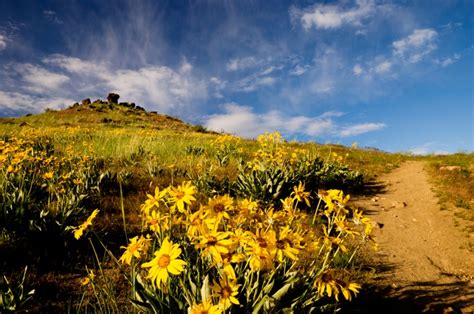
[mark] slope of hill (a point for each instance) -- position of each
(136, 167)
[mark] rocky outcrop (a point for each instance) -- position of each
(86, 102)
(113, 98)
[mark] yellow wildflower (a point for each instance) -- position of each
(90, 277)
(48, 175)
(214, 244)
(134, 249)
(283, 246)
(226, 290)
(183, 194)
(78, 231)
(153, 200)
(206, 307)
(348, 289)
(157, 221)
(165, 262)
(219, 206)
(325, 284)
(300, 194)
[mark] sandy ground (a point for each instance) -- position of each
(424, 262)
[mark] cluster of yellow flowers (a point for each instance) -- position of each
(338, 158)
(226, 139)
(271, 152)
(18, 154)
(235, 237)
(14, 152)
(28, 166)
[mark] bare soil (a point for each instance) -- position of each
(424, 263)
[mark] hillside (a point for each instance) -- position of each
(152, 175)
(109, 113)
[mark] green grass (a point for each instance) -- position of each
(143, 150)
(454, 188)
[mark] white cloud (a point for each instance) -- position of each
(444, 62)
(39, 79)
(164, 87)
(415, 46)
(268, 70)
(323, 86)
(358, 129)
(253, 82)
(331, 114)
(185, 67)
(217, 85)
(78, 66)
(329, 16)
(427, 149)
(243, 121)
(3, 42)
(238, 64)
(383, 67)
(357, 70)
(156, 87)
(12, 102)
(299, 70)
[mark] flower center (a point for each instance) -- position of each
(280, 244)
(211, 241)
(164, 260)
(226, 292)
(262, 242)
(133, 247)
(180, 194)
(219, 208)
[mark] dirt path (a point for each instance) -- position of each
(425, 265)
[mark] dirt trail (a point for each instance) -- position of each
(425, 265)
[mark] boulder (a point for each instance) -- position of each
(86, 102)
(113, 98)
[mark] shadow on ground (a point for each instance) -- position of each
(449, 295)
(371, 188)
(419, 297)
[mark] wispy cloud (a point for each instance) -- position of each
(444, 62)
(299, 70)
(238, 64)
(383, 67)
(78, 66)
(330, 16)
(243, 121)
(358, 129)
(252, 83)
(416, 46)
(156, 87)
(39, 79)
(161, 87)
(52, 17)
(20, 103)
(357, 70)
(3, 42)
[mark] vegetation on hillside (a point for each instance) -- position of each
(453, 176)
(106, 207)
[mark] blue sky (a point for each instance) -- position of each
(393, 75)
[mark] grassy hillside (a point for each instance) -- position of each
(153, 177)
